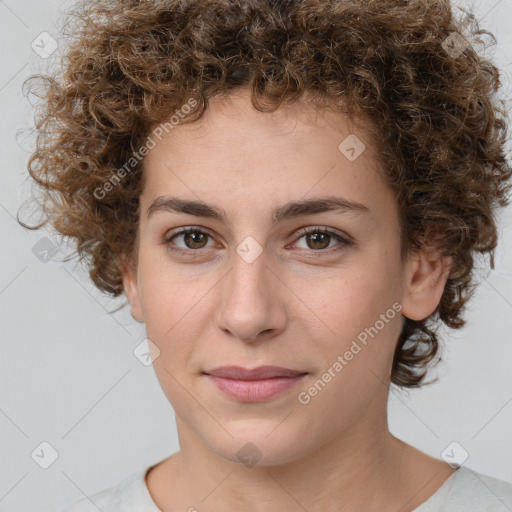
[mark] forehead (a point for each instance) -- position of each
(264, 159)
(232, 122)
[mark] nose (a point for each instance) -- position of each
(252, 301)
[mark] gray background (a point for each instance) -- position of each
(68, 375)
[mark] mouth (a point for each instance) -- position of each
(254, 385)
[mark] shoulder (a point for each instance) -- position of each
(470, 490)
(106, 500)
(129, 494)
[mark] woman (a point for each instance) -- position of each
(290, 195)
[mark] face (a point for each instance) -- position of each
(318, 290)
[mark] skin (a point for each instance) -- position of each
(286, 308)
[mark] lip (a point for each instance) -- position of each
(254, 385)
(261, 372)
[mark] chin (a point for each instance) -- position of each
(257, 448)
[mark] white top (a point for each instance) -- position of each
(464, 491)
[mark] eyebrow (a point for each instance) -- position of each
(291, 210)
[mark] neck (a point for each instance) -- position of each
(336, 476)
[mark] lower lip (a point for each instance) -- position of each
(255, 390)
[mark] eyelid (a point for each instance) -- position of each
(309, 229)
(185, 229)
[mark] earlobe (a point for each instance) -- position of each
(426, 275)
(131, 289)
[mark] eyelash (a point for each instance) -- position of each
(303, 232)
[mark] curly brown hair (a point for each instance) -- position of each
(406, 66)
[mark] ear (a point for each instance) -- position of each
(425, 278)
(131, 288)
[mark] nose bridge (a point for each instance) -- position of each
(249, 271)
(249, 304)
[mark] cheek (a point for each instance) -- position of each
(361, 318)
(163, 293)
(354, 299)
(176, 312)
(173, 314)
(357, 353)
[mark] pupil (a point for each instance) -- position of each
(193, 236)
(322, 236)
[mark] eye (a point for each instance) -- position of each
(318, 239)
(193, 238)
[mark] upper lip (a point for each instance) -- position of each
(262, 372)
